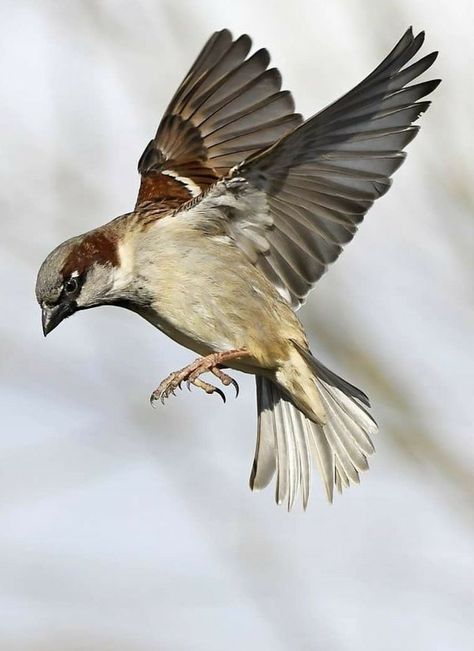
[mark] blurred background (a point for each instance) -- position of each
(125, 528)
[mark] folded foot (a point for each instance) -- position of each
(190, 374)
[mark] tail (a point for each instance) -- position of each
(288, 441)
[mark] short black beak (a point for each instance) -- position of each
(52, 316)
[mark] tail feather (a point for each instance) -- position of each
(343, 439)
(337, 480)
(289, 456)
(322, 455)
(264, 465)
(342, 480)
(288, 441)
(282, 445)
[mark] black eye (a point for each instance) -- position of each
(71, 286)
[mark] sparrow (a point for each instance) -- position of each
(242, 206)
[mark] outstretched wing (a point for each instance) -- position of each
(295, 205)
(228, 107)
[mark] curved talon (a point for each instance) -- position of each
(218, 391)
(208, 388)
(236, 387)
(225, 379)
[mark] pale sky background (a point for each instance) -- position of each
(124, 528)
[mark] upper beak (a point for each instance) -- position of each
(52, 316)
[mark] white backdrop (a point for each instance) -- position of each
(124, 528)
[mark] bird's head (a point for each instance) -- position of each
(79, 274)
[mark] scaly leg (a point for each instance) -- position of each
(191, 373)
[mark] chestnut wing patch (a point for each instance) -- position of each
(228, 107)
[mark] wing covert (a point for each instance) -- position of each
(319, 181)
(228, 106)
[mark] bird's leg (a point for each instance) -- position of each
(190, 374)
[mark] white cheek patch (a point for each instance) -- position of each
(124, 273)
(189, 184)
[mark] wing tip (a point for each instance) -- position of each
(225, 34)
(432, 85)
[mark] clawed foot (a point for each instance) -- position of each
(190, 374)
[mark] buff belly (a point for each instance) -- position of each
(211, 299)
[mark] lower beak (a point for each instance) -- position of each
(52, 316)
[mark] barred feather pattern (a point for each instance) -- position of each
(229, 106)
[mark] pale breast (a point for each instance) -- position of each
(210, 298)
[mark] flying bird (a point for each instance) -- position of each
(241, 208)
